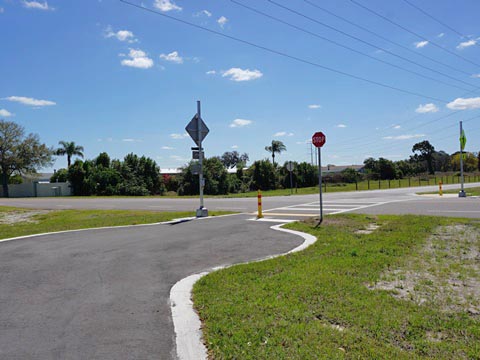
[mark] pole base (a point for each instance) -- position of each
(462, 193)
(202, 212)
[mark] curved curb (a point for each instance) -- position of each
(187, 324)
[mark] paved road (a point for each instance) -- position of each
(363, 201)
(103, 294)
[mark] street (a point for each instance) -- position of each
(104, 294)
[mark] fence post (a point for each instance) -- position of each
(409, 182)
(356, 184)
(368, 182)
(389, 183)
(379, 184)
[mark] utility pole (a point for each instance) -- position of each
(463, 140)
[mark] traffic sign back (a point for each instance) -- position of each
(192, 129)
(318, 139)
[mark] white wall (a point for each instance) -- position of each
(38, 189)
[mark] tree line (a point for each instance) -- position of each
(139, 175)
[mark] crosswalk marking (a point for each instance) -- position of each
(294, 212)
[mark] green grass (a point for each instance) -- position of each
(469, 191)
(361, 186)
(81, 219)
(322, 303)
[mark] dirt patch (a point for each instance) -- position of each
(15, 217)
(368, 230)
(444, 274)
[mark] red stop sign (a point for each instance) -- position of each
(318, 139)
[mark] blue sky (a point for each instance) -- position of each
(115, 78)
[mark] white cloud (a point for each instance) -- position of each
(314, 106)
(404, 137)
(166, 5)
(30, 101)
(211, 72)
(37, 5)
(5, 113)
(464, 104)
(308, 141)
(172, 57)
(120, 35)
(234, 146)
(396, 127)
(203, 12)
(466, 44)
(222, 20)
(138, 59)
(427, 108)
(342, 126)
(131, 140)
(476, 76)
(237, 74)
(178, 158)
(240, 123)
(2, 10)
(441, 35)
(179, 136)
(282, 133)
(167, 148)
(421, 44)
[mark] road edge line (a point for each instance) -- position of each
(187, 324)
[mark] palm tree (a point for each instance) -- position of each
(69, 149)
(276, 147)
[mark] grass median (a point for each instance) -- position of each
(475, 191)
(386, 287)
(18, 222)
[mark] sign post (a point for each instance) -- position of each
(318, 139)
(290, 168)
(463, 141)
(198, 130)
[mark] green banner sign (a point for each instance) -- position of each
(463, 140)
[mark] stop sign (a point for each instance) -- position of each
(318, 139)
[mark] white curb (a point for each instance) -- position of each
(186, 322)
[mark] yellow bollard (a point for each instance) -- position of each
(440, 188)
(259, 196)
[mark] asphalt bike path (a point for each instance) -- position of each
(104, 294)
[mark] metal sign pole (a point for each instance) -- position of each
(200, 154)
(291, 182)
(462, 191)
(320, 183)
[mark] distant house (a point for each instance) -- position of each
(38, 177)
(333, 169)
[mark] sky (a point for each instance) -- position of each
(120, 78)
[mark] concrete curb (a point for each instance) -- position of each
(186, 322)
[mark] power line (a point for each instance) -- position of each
(415, 117)
(437, 20)
(366, 42)
(413, 33)
(390, 146)
(344, 46)
(385, 38)
(285, 55)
